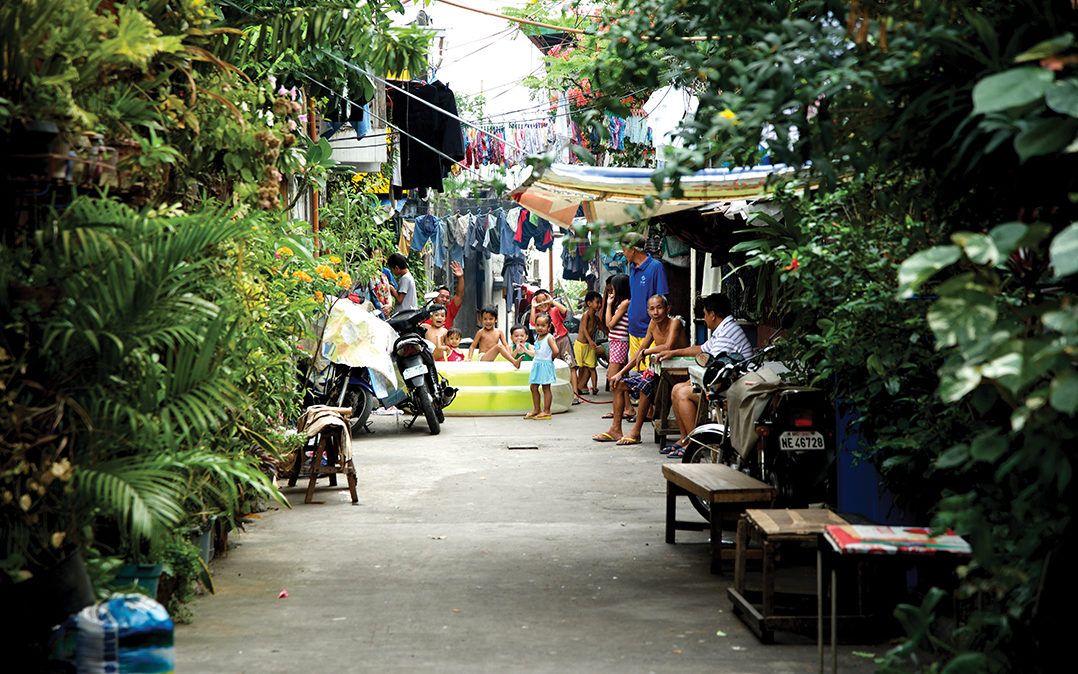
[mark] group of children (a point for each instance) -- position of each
(552, 341)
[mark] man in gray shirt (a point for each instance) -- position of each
(404, 294)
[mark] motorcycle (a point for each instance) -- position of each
(778, 432)
(428, 393)
(352, 343)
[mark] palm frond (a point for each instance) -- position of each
(140, 493)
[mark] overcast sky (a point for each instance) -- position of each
(485, 54)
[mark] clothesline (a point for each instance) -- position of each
(380, 79)
(401, 131)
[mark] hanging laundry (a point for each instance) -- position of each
(507, 222)
(422, 167)
(533, 228)
(666, 108)
(404, 244)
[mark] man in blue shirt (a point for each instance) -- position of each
(647, 277)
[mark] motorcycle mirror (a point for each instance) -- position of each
(702, 359)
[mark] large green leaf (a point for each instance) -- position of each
(1045, 136)
(1007, 237)
(1063, 251)
(979, 248)
(921, 266)
(963, 317)
(1063, 97)
(1010, 89)
(1064, 395)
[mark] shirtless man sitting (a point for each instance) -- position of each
(664, 334)
(490, 341)
(726, 336)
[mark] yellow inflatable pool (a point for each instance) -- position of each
(498, 389)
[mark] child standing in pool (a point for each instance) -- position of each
(542, 373)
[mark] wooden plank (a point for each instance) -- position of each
(792, 523)
(718, 483)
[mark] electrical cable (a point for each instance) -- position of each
(388, 84)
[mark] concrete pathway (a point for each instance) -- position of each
(464, 556)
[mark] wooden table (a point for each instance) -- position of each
(772, 528)
(671, 372)
(912, 546)
(726, 490)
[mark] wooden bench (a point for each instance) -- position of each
(727, 492)
(772, 528)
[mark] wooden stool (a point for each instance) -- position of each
(772, 528)
(328, 444)
(331, 433)
(727, 491)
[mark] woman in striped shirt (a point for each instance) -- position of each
(616, 315)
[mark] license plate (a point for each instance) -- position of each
(414, 371)
(801, 440)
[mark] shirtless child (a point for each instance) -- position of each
(663, 333)
(436, 334)
(490, 341)
(452, 342)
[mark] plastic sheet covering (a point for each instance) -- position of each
(357, 338)
(126, 633)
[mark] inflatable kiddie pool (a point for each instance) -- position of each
(496, 388)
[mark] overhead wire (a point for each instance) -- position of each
(387, 123)
(392, 86)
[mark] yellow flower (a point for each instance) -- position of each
(284, 251)
(58, 538)
(326, 273)
(302, 276)
(728, 114)
(334, 259)
(345, 281)
(318, 296)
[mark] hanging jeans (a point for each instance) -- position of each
(430, 228)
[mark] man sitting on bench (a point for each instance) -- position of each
(664, 333)
(726, 335)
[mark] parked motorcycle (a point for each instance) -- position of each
(352, 343)
(428, 393)
(778, 432)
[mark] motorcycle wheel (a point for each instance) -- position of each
(700, 453)
(427, 405)
(359, 400)
(436, 396)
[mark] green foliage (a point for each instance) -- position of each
(117, 378)
(942, 133)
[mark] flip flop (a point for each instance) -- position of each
(676, 453)
(626, 440)
(530, 415)
(608, 415)
(542, 417)
(577, 401)
(669, 448)
(604, 437)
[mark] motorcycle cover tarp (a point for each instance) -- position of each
(357, 338)
(746, 400)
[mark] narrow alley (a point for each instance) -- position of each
(464, 555)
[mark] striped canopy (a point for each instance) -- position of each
(616, 195)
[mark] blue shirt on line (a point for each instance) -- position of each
(646, 279)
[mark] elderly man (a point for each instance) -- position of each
(664, 335)
(647, 277)
(726, 335)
